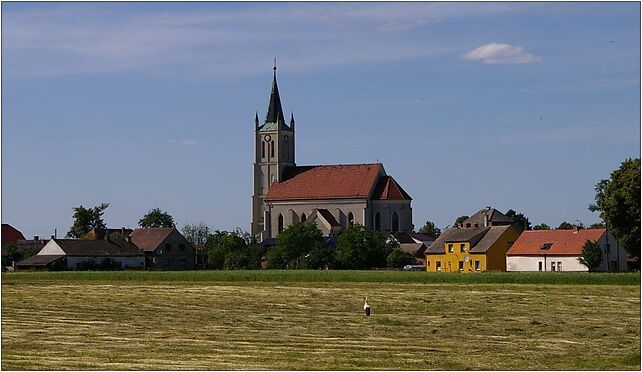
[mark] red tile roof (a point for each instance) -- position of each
(562, 242)
(10, 235)
(343, 181)
(389, 189)
(149, 239)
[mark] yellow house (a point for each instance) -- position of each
(471, 249)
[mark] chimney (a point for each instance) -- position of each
(128, 238)
(122, 231)
(36, 237)
(53, 237)
(575, 229)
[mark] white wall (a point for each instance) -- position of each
(531, 263)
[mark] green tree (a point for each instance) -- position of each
(228, 250)
(565, 226)
(361, 248)
(541, 226)
(618, 202)
(591, 255)
(519, 219)
(430, 228)
(597, 225)
(398, 259)
(156, 218)
(86, 219)
(461, 219)
(300, 246)
(197, 234)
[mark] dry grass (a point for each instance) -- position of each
(62, 324)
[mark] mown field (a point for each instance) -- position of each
(314, 320)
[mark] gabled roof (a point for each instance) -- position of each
(470, 235)
(39, 260)
(148, 239)
(413, 249)
(491, 236)
(10, 235)
(553, 242)
(494, 216)
(343, 181)
(97, 248)
(388, 189)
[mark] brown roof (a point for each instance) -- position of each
(494, 216)
(553, 242)
(149, 239)
(10, 235)
(328, 217)
(494, 233)
(388, 189)
(470, 235)
(413, 249)
(344, 181)
(98, 248)
(39, 260)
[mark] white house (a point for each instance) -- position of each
(72, 254)
(559, 250)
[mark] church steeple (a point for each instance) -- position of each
(275, 111)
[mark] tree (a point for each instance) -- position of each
(597, 225)
(618, 202)
(156, 218)
(361, 248)
(519, 219)
(430, 228)
(229, 250)
(300, 246)
(398, 259)
(460, 219)
(541, 226)
(197, 234)
(565, 226)
(86, 219)
(591, 255)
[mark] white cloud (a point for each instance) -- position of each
(496, 53)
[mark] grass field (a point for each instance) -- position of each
(314, 320)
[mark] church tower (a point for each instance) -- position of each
(274, 151)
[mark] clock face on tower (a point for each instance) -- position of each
(268, 138)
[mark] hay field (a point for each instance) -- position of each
(57, 322)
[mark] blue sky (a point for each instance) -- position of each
(141, 105)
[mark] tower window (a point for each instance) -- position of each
(262, 149)
(272, 148)
(395, 222)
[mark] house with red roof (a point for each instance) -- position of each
(165, 248)
(331, 196)
(559, 250)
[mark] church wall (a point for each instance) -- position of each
(340, 209)
(386, 208)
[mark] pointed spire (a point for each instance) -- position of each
(256, 119)
(275, 112)
(291, 120)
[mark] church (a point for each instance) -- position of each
(331, 196)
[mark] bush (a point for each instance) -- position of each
(398, 259)
(300, 246)
(361, 248)
(230, 250)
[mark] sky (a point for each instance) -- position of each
(522, 106)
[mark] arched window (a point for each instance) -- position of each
(272, 148)
(263, 149)
(350, 219)
(395, 222)
(377, 221)
(303, 217)
(280, 223)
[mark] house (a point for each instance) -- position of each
(10, 235)
(471, 249)
(114, 234)
(76, 254)
(331, 196)
(487, 217)
(559, 250)
(165, 248)
(414, 244)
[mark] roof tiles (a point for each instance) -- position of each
(562, 242)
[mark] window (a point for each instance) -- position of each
(438, 265)
(428, 263)
(395, 222)
(450, 248)
(468, 225)
(350, 219)
(280, 223)
(263, 149)
(168, 247)
(476, 265)
(272, 148)
(608, 248)
(461, 265)
(462, 248)
(540, 266)
(559, 266)
(181, 247)
(303, 217)
(552, 266)
(377, 221)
